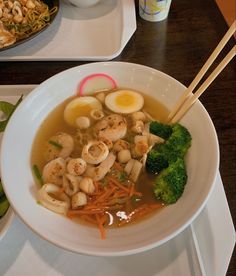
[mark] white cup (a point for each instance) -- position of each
(84, 3)
(154, 10)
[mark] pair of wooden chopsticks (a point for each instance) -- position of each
(188, 99)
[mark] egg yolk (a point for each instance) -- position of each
(125, 100)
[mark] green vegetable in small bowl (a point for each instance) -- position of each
(4, 204)
(6, 213)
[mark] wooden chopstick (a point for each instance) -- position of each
(191, 100)
(202, 72)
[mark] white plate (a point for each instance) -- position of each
(201, 167)
(6, 220)
(96, 33)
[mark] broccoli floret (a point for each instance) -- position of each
(169, 184)
(161, 155)
(167, 160)
(179, 142)
(156, 161)
(161, 130)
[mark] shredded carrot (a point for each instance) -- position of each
(120, 192)
(105, 195)
(114, 181)
(101, 227)
(115, 195)
(131, 192)
(96, 184)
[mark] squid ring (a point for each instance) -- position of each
(59, 206)
(95, 152)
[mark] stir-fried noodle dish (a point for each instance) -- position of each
(109, 159)
(20, 19)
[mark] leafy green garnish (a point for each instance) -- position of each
(55, 144)
(122, 176)
(104, 182)
(8, 109)
(38, 174)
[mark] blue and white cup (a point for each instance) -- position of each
(154, 10)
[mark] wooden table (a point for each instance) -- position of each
(179, 47)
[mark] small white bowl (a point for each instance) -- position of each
(202, 163)
(5, 222)
(84, 3)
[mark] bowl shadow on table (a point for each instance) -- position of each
(151, 262)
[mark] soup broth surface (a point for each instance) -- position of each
(55, 123)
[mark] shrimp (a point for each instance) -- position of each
(121, 145)
(54, 170)
(112, 127)
(59, 145)
(141, 145)
(76, 166)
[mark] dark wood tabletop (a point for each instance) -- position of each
(179, 47)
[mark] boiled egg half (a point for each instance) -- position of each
(80, 106)
(124, 101)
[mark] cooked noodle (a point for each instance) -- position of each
(24, 17)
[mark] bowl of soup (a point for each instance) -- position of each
(98, 169)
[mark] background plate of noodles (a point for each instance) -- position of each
(21, 20)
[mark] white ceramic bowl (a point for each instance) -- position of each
(84, 3)
(202, 164)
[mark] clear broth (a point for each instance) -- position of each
(55, 123)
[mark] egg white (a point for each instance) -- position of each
(80, 106)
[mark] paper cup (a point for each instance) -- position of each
(154, 10)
